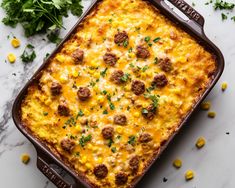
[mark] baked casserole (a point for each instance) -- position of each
(116, 91)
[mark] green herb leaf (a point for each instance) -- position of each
(125, 43)
(103, 73)
(125, 77)
(156, 39)
(29, 54)
(105, 112)
(223, 5)
(84, 139)
(110, 142)
(147, 39)
(132, 140)
(155, 60)
(114, 149)
(146, 67)
(224, 16)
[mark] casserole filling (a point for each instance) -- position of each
(116, 91)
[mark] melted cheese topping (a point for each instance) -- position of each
(190, 76)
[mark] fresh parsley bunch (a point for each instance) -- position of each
(40, 16)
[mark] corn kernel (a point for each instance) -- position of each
(119, 129)
(136, 114)
(89, 146)
(177, 163)
(25, 158)
(143, 75)
(83, 159)
(78, 128)
(94, 64)
(91, 71)
(96, 88)
(100, 160)
(211, 114)
(205, 105)
(63, 78)
(11, 58)
(15, 42)
(182, 59)
(75, 73)
(86, 112)
(60, 58)
(224, 86)
(189, 175)
(200, 142)
(100, 99)
(48, 101)
(94, 148)
(131, 55)
(149, 74)
(88, 165)
(96, 75)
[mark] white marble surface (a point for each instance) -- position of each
(214, 164)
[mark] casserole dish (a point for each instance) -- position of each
(118, 88)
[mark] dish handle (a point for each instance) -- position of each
(51, 174)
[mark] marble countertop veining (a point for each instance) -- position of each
(213, 165)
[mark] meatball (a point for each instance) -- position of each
(78, 55)
(142, 52)
(63, 109)
(120, 119)
(134, 163)
(110, 59)
(145, 138)
(149, 112)
(120, 37)
(107, 132)
(116, 76)
(67, 145)
(83, 93)
(160, 80)
(121, 178)
(138, 87)
(101, 171)
(56, 88)
(165, 64)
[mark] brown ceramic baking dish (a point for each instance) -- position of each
(193, 26)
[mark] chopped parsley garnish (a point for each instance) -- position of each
(84, 139)
(223, 5)
(233, 18)
(154, 99)
(114, 149)
(104, 92)
(155, 60)
(92, 83)
(103, 73)
(125, 43)
(125, 77)
(130, 50)
(105, 112)
(151, 88)
(146, 67)
(110, 20)
(156, 39)
(45, 113)
(77, 154)
(132, 140)
(110, 142)
(224, 16)
(132, 65)
(111, 105)
(80, 113)
(29, 54)
(147, 39)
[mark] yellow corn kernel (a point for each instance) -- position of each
(211, 114)
(100, 160)
(88, 165)
(63, 78)
(96, 88)
(119, 129)
(127, 88)
(15, 42)
(205, 105)
(177, 163)
(94, 148)
(78, 128)
(136, 114)
(100, 99)
(48, 101)
(182, 59)
(149, 74)
(89, 146)
(224, 86)
(131, 55)
(94, 64)
(200, 142)
(11, 58)
(86, 112)
(96, 75)
(145, 104)
(114, 24)
(143, 75)
(75, 73)
(91, 71)
(83, 159)
(25, 158)
(60, 58)
(189, 175)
